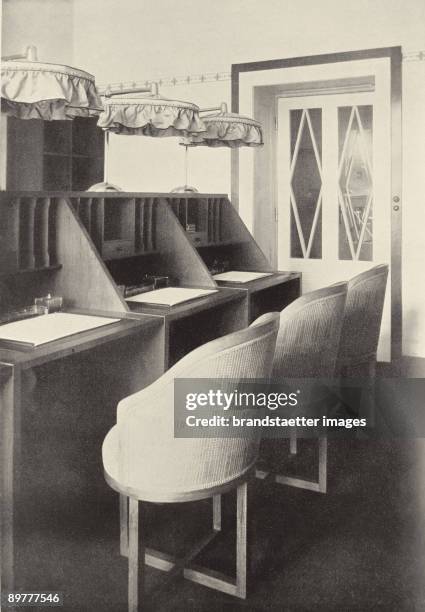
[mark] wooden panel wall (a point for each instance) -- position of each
(178, 255)
(83, 279)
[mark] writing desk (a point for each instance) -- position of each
(86, 246)
(128, 344)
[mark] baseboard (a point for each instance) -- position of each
(410, 367)
(413, 367)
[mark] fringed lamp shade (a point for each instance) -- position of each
(150, 116)
(226, 129)
(35, 90)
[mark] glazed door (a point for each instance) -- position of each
(333, 170)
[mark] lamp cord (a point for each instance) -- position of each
(186, 165)
(106, 157)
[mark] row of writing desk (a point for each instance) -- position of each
(84, 248)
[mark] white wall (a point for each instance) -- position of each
(144, 39)
(169, 37)
(47, 24)
(413, 261)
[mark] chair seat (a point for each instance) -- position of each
(110, 454)
(162, 493)
(111, 464)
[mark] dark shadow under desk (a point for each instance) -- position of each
(55, 399)
(268, 294)
(190, 324)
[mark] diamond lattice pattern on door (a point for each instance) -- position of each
(306, 183)
(355, 183)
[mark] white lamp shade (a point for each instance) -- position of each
(150, 116)
(35, 90)
(228, 130)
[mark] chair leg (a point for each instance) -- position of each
(217, 512)
(320, 486)
(367, 401)
(323, 464)
(241, 539)
(200, 575)
(124, 525)
(293, 441)
(133, 556)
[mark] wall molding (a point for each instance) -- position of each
(211, 77)
(173, 81)
(414, 56)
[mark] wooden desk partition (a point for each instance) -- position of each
(216, 230)
(220, 237)
(45, 248)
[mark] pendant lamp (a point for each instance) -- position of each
(147, 115)
(37, 90)
(222, 129)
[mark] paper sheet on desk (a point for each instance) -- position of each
(170, 296)
(235, 276)
(46, 328)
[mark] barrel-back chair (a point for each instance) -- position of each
(307, 347)
(362, 323)
(359, 339)
(144, 461)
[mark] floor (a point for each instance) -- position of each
(360, 547)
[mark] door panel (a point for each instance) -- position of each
(333, 188)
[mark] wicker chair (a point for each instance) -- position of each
(362, 323)
(307, 347)
(143, 460)
(359, 339)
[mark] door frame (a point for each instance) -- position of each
(394, 55)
